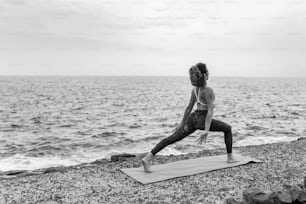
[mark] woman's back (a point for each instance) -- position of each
(201, 94)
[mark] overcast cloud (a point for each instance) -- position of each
(160, 37)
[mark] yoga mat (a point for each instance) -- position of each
(182, 168)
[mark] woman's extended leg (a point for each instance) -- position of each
(217, 125)
(178, 135)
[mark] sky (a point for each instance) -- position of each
(161, 37)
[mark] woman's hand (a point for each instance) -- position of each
(181, 125)
(202, 138)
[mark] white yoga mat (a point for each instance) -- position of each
(185, 168)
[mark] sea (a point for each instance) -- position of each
(60, 121)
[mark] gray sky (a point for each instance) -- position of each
(160, 37)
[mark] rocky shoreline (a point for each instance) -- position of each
(284, 164)
(288, 194)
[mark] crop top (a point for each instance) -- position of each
(198, 96)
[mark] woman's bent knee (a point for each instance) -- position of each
(228, 128)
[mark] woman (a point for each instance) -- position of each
(201, 118)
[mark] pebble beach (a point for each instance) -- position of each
(102, 181)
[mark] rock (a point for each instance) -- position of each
(281, 197)
(302, 197)
(60, 169)
(232, 201)
(120, 157)
(294, 191)
(100, 161)
(301, 186)
(13, 172)
(256, 196)
(305, 182)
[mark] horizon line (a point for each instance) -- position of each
(87, 75)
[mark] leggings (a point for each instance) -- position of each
(195, 121)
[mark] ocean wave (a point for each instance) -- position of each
(285, 132)
(84, 132)
(296, 113)
(47, 147)
(78, 108)
(258, 140)
(22, 162)
(150, 138)
(7, 130)
(16, 126)
(127, 141)
(65, 125)
(255, 127)
(134, 126)
(167, 125)
(162, 119)
(124, 141)
(116, 124)
(170, 151)
(118, 104)
(36, 120)
(107, 134)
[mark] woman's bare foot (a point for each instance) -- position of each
(231, 159)
(146, 162)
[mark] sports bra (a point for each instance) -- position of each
(198, 96)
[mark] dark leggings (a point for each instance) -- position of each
(195, 121)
